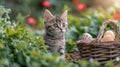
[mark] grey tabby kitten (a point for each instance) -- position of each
(56, 27)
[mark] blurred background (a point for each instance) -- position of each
(22, 30)
(83, 15)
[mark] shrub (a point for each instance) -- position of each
(19, 48)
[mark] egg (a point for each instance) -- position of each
(108, 36)
(109, 32)
(87, 38)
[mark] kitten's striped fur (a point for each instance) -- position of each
(56, 27)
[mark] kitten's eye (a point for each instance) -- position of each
(63, 24)
(55, 25)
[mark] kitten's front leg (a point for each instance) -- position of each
(62, 51)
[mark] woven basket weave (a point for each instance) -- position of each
(98, 50)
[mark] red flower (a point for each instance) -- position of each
(116, 65)
(31, 20)
(116, 16)
(81, 7)
(46, 3)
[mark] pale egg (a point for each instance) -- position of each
(108, 36)
(109, 32)
(87, 38)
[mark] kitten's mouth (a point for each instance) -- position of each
(61, 30)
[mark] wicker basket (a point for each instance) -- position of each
(84, 52)
(98, 50)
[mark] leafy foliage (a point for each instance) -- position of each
(19, 48)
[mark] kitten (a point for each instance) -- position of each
(56, 27)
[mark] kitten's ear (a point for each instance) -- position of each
(64, 15)
(47, 15)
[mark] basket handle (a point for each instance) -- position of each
(101, 31)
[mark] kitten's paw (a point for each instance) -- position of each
(62, 53)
